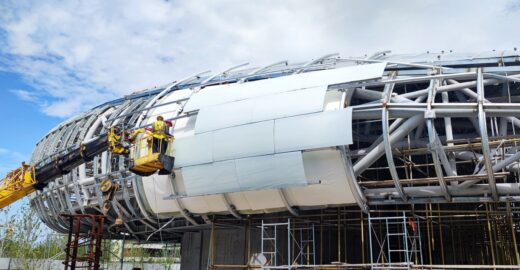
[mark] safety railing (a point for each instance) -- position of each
(147, 145)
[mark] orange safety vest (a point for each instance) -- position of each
(412, 224)
(159, 130)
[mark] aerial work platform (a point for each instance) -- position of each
(149, 158)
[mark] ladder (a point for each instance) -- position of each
(398, 242)
(269, 247)
(306, 245)
(83, 250)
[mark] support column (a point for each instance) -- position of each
(484, 136)
(386, 140)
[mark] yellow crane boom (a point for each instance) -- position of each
(145, 161)
(17, 184)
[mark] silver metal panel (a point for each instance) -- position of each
(260, 109)
(224, 115)
(193, 150)
(243, 141)
(289, 103)
(324, 129)
(271, 171)
(223, 94)
(346, 74)
(261, 172)
(214, 178)
(234, 92)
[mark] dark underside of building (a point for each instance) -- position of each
(391, 237)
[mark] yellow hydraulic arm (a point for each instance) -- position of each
(17, 184)
(23, 180)
(115, 142)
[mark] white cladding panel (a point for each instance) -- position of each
(193, 150)
(310, 131)
(218, 95)
(271, 171)
(233, 92)
(184, 127)
(289, 103)
(263, 172)
(260, 109)
(243, 141)
(156, 187)
(213, 178)
(224, 115)
(248, 138)
(327, 166)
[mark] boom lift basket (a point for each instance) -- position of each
(147, 159)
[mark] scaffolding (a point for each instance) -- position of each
(305, 242)
(83, 250)
(431, 236)
(300, 239)
(397, 240)
(269, 246)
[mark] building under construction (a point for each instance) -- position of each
(384, 161)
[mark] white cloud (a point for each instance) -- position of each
(78, 54)
(26, 95)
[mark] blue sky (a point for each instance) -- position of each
(24, 122)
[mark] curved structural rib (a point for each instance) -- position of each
(292, 137)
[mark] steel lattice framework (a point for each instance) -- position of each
(436, 128)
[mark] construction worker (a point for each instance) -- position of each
(412, 224)
(160, 135)
(116, 145)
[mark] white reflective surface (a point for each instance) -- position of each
(223, 94)
(243, 141)
(193, 150)
(214, 178)
(260, 109)
(302, 132)
(310, 131)
(262, 172)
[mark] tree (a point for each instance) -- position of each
(24, 237)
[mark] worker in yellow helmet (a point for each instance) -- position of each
(115, 142)
(160, 134)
